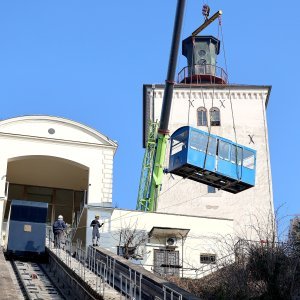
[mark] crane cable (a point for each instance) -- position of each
(202, 96)
(212, 82)
(239, 176)
(191, 80)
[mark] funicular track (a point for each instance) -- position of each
(34, 282)
(42, 281)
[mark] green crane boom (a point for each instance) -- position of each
(163, 132)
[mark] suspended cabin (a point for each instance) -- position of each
(212, 160)
(196, 154)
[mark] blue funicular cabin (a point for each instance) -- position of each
(27, 228)
(212, 160)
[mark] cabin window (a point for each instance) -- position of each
(215, 119)
(198, 141)
(201, 116)
(248, 159)
(179, 142)
(224, 150)
(236, 155)
(24, 213)
(212, 146)
(206, 258)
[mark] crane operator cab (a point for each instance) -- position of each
(212, 160)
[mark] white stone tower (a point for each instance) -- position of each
(203, 98)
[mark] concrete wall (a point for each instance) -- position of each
(249, 111)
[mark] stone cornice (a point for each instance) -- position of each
(57, 141)
(58, 120)
(217, 95)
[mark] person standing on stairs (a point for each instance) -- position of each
(95, 233)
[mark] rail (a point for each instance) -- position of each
(104, 271)
(198, 74)
(34, 281)
(90, 273)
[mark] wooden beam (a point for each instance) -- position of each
(207, 22)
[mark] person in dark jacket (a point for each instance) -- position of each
(95, 233)
(59, 227)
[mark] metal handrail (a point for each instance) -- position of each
(106, 270)
(6, 188)
(172, 293)
(196, 71)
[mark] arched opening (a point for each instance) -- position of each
(201, 116)
(61, 183)
(215, 118)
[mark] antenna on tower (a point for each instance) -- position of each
(207, 21)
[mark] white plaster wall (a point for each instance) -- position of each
(188, 197)
(206, 235)
(91, 157)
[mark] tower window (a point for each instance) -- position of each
(201, 116)
(215, 119)
(211, 189)
(202, 52)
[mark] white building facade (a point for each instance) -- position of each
(54, 160)
(242, 119)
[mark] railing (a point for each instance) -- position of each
(106, 272)
(196, 74)
(83, 262)
(171, 294)
(6, 188)
(76, 219)
(131, 287)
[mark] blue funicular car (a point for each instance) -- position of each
(27, 228)
(212, 160)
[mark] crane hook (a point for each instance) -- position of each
(205, 11)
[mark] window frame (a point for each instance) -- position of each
(211, 258)
(211, 189)
(170, 258)
(217, 121)
(224, 150)
(203, 112)
(248, 159)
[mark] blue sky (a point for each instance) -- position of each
(87, 61)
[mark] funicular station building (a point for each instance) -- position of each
(57, 161)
